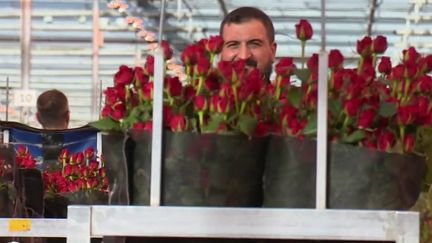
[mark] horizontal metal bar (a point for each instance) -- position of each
(38, 228)
(255, 223)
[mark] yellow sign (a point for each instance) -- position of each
(20, 224)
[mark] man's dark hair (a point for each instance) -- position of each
(244, 14)
(52, 108)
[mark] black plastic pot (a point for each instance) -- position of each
(358, 178)
(202, 169)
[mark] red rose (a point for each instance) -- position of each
(189, 92)
(408, 143)
(410, 70)
(140, 77)
(191, 53)
(406, 114)
(424, 84)
(149, 65)
(168, 114)
(335, 59)
(147, 91)
(285, 66)
(398, 72)
(411, 55)
(168, 52)
(366, 118)
(89, 153)
(296, 126)
(368, 74)
(226, 69)
(202, 66)
(369, 143)
(173, 86)
(385, 65)
(261, 129)
(124, 76)
(200, 103)
(312, 62)
(364, 46)
(118, 112)
(106, 111)
(352, 106)
(304, 30)
(252, 85)
(379, 44)
(428, 60)
(214, 44)
(178, 123)
(146, 126)
(386, 139)
(222, 104)
(211, 82)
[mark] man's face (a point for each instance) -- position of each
(248, 40)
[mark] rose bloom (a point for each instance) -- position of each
(304, 30)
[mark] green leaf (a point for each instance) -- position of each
(311, 127)
(335, 106)
(294, 96)
(387, 109)
(354, 137)
(303, 74)
(247, 124)
(215, 120)
(106, 124)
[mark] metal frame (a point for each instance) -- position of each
(84, 222)
(96, 221)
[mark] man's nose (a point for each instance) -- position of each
(244, 52)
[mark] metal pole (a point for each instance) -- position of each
(26, 11)
(26, 6)
(321, 177)
(161, 21)
(95, 62)
(7, 98)
(156, 166)
(323, 28)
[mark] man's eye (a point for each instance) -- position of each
(255, 44)
(232, 45)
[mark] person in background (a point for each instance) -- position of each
(248, 34)
(53, 110)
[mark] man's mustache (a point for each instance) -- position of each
(249, 62)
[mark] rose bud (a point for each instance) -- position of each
(379, 44)
(202, 66)
(149, 65)
(335, 59)
(304, 30)
(285, 66)
(364, 46)
(214, 44)
(168, 52)
(386, 140)
(124, 76)
(89, 153)
(146, 126)
(366, 118)
(410, 55)
(200, 103)
(178, 123)
(385, 65)
(408, 143)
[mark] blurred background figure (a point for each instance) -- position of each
(53, 110)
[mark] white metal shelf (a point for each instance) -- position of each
(85, 222)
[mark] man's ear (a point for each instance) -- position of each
(274, 48)
(38, 118)
(67, 119)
